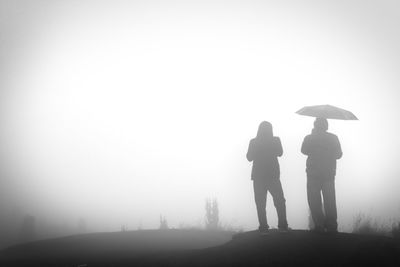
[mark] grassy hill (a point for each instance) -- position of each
(206, 248)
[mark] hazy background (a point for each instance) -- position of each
(119, 111)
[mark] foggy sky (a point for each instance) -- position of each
(119, 111)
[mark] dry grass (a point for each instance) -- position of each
(366, 225)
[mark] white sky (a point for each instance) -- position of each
(119, 111)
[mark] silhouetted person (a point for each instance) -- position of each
(264, 151)
(322, 149)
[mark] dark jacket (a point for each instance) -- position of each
(264, 152)
(323, 149)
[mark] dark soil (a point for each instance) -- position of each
(205, 248)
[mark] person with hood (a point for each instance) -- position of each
(264, 151)
(323, 149)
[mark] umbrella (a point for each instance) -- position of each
(327, 112)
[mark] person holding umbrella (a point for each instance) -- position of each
(323, 150)
(264, 151)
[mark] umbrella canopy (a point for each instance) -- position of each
(327, 112)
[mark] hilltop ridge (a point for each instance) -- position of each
(205, 248)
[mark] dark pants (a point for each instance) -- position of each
(317, 184)
(261, 187)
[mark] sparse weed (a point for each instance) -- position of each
(365, 225)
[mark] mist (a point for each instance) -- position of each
(117, 112)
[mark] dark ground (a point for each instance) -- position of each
(207, 248)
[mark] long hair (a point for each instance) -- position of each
(265, 130)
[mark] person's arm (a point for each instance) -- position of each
(305, 147)
(250, 152)
(279, 150)
(338, 150)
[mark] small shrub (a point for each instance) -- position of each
(212, 215)
(364, 225)
(163, 223)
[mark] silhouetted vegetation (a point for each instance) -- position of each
(212, 214)
(163, 223)
(365, 225)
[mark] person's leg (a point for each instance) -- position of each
(275, 188)
(328, 192)
(315, 202)
(260, 196)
